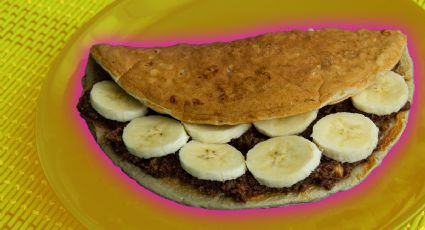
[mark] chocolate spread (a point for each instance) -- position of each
(326, 175)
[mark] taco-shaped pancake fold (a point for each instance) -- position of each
(286, 117)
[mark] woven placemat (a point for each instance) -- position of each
(32, 33)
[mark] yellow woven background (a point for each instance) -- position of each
(32, 33)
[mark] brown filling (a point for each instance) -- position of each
(326, 175)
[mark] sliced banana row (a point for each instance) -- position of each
(278, 162)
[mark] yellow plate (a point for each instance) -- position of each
(100, 195)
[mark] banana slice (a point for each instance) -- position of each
(217, 162)
(346, 137)
(283, 161)
(215, 133)
(154, 136)
(113, 103)
(286, 126)
(387, 95)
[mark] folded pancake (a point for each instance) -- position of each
(264, 77)
(268, 76)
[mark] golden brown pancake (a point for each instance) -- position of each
(268, 76)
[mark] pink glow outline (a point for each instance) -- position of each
(337, 198)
